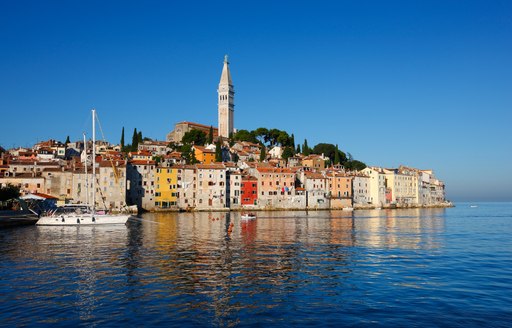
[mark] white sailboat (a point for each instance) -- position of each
(89, 217)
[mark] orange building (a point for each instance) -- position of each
(340, 189)
(204, 155)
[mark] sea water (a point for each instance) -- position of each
(416, 267)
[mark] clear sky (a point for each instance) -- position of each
(421, 83)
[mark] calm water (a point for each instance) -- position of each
(424, 268)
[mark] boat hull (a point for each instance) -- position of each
(77, 220)
(14, 218)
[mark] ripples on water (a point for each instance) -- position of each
(431, 267)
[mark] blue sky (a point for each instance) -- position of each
(422, 83)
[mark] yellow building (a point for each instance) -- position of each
(166, 191)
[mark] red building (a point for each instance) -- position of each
(249, 190)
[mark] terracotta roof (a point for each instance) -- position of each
(142, 162)
(210, 166)
(274, 170)
(204, 149)
(44, 195)
(199, 125)
(314, 175)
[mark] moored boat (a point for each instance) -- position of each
(85, 216)
(248, 216)
(19, 214)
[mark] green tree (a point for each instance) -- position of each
(67, 140)
(287, 153)
(234, 157)
(8, 192)
(329, 150)
(122, 139)
(298, 149)
(158, 159)
(263, 153)
(218, 151)
(354, 165)
(261, 134)
(292, 141)
(244, 135)
(135, 140)
(305, 149)
(139, 136)
(283, 139)
(210, 136)
(195, 137)
(337, 156)
(188, 154)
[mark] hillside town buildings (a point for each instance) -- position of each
(156, 177)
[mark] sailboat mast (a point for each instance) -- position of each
(93, 161)
(86, 177)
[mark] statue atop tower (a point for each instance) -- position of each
(226, 101)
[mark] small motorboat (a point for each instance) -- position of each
(248, 216)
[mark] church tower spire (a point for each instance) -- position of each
(226, 101)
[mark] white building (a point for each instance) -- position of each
(377, 184)
(186, 186)
(361, 190)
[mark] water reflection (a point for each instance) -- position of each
(406, 229)
(202, 232)
(194, 268)
(217, 259)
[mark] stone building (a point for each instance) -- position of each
(226, 101)
(211, 189)
(183, 127)
(140, 187)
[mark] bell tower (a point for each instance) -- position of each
(226, 101)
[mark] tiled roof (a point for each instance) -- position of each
(142, 162)
(210, 166)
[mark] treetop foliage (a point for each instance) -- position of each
(8, 192)
(194, 137)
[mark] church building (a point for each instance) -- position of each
(226, 109)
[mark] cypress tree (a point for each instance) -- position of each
(210, 136)
(218, 151)
(305, 149)
(135, 140)
(122, 139)
(67, 140)
(337, 156)
(139, 136)
(263, 154)
(298, 149)
(292, 141)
